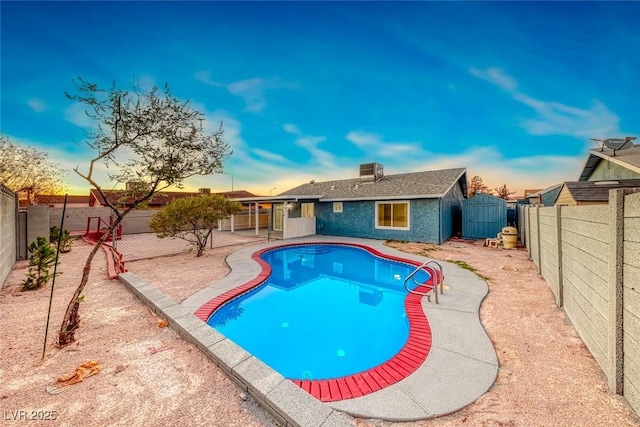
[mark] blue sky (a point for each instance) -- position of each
(513, 91)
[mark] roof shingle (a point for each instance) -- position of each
(428, 184)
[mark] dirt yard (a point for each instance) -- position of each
(150, 377)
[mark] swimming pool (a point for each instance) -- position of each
(330, 316)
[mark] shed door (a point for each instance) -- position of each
(484, 220)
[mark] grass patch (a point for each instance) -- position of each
(463, 264)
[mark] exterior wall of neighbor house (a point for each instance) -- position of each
(357, 219)
(451, 213)
(607, 170)
(565, 198)
(549, 198)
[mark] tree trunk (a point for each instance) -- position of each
(71, 320)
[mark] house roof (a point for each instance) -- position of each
(44, 199)
(597, 191)
(161, 198)
(544, 191)
(629, 158)
(413, 185)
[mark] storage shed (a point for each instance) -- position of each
(483, 216)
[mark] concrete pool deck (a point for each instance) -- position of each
(461, 366)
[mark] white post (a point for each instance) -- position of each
(285, 219)
(257, 219)
(233, 223)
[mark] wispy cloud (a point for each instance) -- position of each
(268, 155)
(252, 91)
(552, 117)
(37, 105)
(77, 115)
(310, 143)
(373, 143)
(497, 77)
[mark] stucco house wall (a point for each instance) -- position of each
(607, 170)
(451, 213)
(358, 219)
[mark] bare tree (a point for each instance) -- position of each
(29, 171)
(503, 192)
(149, 139)
(476, 185)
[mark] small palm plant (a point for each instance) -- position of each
(42, 258)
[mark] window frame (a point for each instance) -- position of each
(391, 227)
(337, 207)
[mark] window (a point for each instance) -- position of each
(307, 210)
(392, 215)
(337, 206)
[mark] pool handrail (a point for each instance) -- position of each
(437, 279)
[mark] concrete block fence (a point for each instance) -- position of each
(8, 231)
(590, 258)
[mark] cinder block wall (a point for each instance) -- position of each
(37, 223)
(137, 221)
(75, 219)
(549, 260)
(534, 249)
(585, 274)
(631, 298)
(8, 237)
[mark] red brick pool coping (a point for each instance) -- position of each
(400, 366)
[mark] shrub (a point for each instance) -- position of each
(42, 258)
(65, 239)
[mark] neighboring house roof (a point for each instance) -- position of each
(629, 159)
(119, 197)
(413, 185)
(549, 195)
(597, 191)
(530, 192)
(44, 199)
(544, 191)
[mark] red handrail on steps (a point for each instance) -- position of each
(101, 227)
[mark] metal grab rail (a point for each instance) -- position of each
(437, 279)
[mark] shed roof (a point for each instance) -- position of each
(413, 185)
(479, 196)
(629, 159)
(597, 191)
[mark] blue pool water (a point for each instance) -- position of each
(325, 312)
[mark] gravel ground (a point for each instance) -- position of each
(151, 377)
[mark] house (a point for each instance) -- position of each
(606, 168)
(591, 192)
(417, 206)
(546, 196)
(121, 198)
(607, 164)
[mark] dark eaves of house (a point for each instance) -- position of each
(414, 185)
(597, 191)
